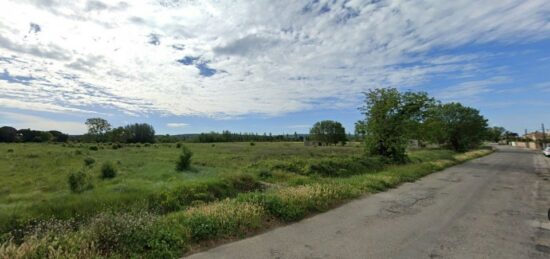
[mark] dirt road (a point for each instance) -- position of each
(492, 207)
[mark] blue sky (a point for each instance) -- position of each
(266, 66)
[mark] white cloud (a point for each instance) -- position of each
(24, 121)
(268, 57)
(176, 125)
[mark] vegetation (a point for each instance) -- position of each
(391, 119)
(108, 170)
(150, 210)
(184, 161)
(328, 132)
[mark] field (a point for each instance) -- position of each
(153, 210)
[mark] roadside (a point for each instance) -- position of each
(492, 207)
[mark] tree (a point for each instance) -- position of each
(97, 128)
(391, 119)
(8, 134)
(328, 132)
(58, 136)
(495, 134)
(360, 129)
(140, 133)
(28, 135)
(459, 127)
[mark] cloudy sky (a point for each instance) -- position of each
(189, 66)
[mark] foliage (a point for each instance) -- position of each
(184, 160)
(8, 134)
(88, 161)
(97, 128)
(328, 132)
(79, 182)
(391, 118)
(459, 127)
(108, 170)
(58, 136)
(495, 134)
(221, 219)
(140, 133)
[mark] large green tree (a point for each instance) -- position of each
(495, 134)
(391, 119)
(328, 132)
(457, 126)
(140, 133)
(97, 128)
(8, 134)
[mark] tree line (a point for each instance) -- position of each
(11, 134)
(393, 118)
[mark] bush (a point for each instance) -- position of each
(227, 218)
(178, 145)
(94, 148)
(88, 161)
(108, 170)
(252, 144)
(78, 152)
(265, 174)
(184, 161)
(10, 150)
(138, 234)
(116, 146)
(190, 193)
(79, 182)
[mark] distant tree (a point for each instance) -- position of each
(495, 134)
(97, 128)
(391, 119)
(460, 127)
(58, 136)
(140, 133)
(118, 135)
(8, 134)
(328, 132)
(28, 135)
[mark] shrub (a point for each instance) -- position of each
(243, 182)
(79, 182)
(116, 146)
(178, 145)
(94, 148)
(78, 152)
(184, 160)
(147, 145)
(138, 234)
(293, 203)
(88, 161)
(252, 144)
(264, 174)
(10, 150)
(221, 219)
(108, 170)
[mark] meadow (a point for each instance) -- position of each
(150, 209)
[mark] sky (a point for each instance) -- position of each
(190, 66)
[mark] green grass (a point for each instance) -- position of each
(219, 197)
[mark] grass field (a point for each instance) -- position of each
(152, 210)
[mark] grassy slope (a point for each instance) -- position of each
(34, 181)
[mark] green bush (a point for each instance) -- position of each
(138, 234)
(78, 152)
(265, 174)
(108, 170)
(190, 193)
(88, 161)
(252, 144)
(79, 182)
(184, 160)
(10, 150)
(226, 218)
(178, 145)
(116, 146)
(94, 148)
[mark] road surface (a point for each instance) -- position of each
(492, 207)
